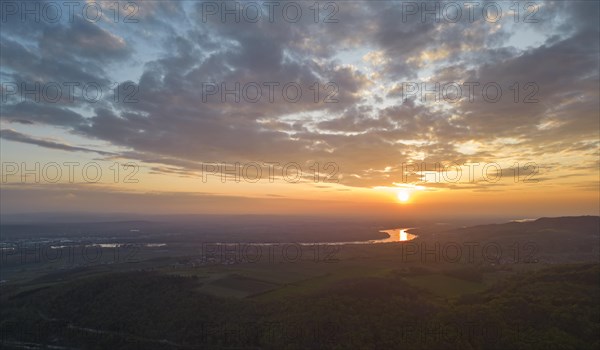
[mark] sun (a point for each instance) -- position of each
(403, 196)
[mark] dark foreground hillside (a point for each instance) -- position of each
(551, 308)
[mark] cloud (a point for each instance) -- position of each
(30, 112)
(12, 135)
(368, 129)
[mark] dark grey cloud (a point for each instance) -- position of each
(30, 112)
(85, 40)
(12, 135)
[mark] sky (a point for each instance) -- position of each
(393, 108)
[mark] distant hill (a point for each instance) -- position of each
(578, 225)
(550, 240)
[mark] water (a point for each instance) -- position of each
(395, 235)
